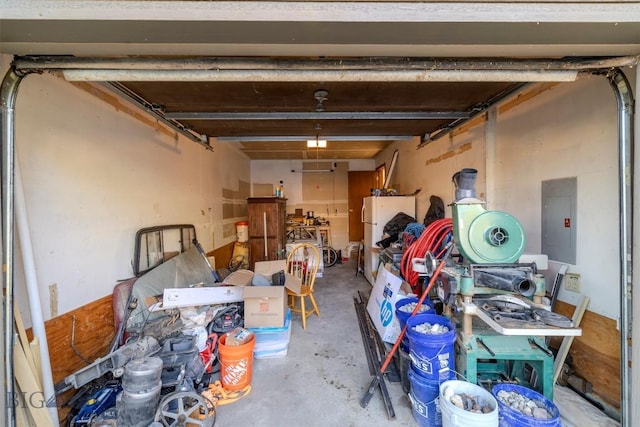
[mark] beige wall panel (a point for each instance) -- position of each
(229, 230)
(244, 189)
(228, 193)
(261, 190)
(228, 210)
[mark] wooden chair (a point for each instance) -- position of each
(303, 262)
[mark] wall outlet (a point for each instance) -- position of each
(53, 300)
(572, 282)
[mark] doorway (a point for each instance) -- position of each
(360, 185)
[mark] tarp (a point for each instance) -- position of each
(578, 412)
(183, 270)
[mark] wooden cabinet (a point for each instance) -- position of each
(267, 215)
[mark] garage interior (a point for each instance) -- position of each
(137, 114)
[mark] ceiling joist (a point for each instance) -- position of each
(341, 115)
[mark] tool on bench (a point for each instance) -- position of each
(481, 342)
(553, 319)
(526, 316)
(510, 308)
(534, 343)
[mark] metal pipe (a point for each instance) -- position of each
(8, 94)
(467, 319)
(624, 98)
(351, 75)
(635, 380)
(37, 322)
(506, 282)
(312, 170)
(33, 63)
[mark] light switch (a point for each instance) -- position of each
(572, 282)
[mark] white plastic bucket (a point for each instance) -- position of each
(242, 231)
(452, 416)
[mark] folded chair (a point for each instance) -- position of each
(303, 262)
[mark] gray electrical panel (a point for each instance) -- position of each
(559, 203)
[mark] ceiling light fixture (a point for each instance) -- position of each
(316, 143)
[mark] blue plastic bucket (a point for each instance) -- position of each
(509, 417)
(403, 315)
(424, 396)
(404, 365)
(432, 356)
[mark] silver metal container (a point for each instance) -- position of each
(142, 375)
(138, 409)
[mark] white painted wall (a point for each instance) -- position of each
(430, 168)
(362, 164)
(93, 176)
(570, 130)
(272, 171)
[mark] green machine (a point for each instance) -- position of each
(497, 303)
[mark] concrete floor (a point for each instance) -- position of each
(324, 375)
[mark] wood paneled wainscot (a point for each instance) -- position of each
(94, 331)
(596, 354)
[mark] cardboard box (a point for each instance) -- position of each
(267, 268)
(387, 289)
(191, 297)
(238, 336)
(264, 306)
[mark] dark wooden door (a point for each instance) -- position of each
(360, 185)
(266, 214)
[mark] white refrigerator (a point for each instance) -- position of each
(376, 213)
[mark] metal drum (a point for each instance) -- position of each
(141, 386)
(142, 375)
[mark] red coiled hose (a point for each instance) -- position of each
(431, 240)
